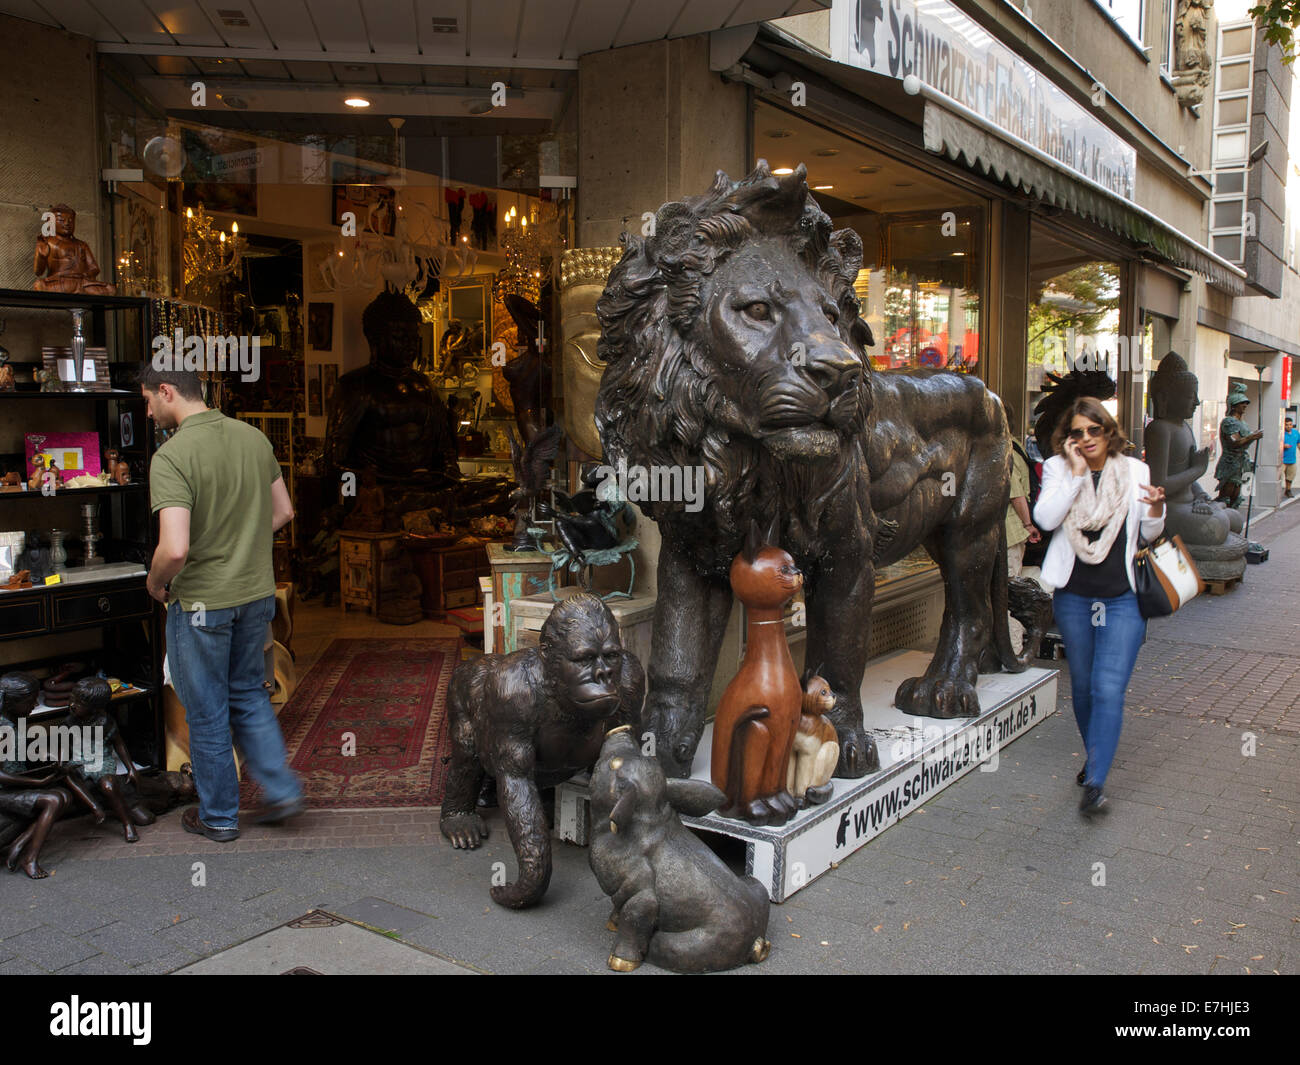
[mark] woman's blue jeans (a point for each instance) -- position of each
(1102, 640)
(218, 669)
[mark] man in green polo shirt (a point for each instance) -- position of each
(217, 490)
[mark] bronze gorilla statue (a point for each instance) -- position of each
(531, 719)
(733, 342)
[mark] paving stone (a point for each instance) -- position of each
(49, 948)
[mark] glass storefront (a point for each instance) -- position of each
(921, 283)
(281, 202)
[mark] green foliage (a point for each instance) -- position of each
(1279, 19)
(1086, 295)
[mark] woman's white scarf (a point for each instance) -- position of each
(1104, 507)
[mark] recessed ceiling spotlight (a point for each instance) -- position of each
(357, 101)
(822, 188)
(781, 171)
(959, 255)
(827, 153)
(868, 170)
(780, 134)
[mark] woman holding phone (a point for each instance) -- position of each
(1103, 502)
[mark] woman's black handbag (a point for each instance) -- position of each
(1165, 577)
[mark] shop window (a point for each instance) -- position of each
(921, 282)
(922, 296)
(1073, 315)
(922, 238)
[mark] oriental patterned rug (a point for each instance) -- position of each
(367, 725)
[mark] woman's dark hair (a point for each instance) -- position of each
(1090, 408)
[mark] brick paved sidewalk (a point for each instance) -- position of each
(1194, 870)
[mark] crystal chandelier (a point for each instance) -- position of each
(209, 253)
(522, 244)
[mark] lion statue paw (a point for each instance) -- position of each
(942, 697)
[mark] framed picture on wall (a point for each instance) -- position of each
(329, 382)
(320, 326)
(314, 408)
(360, 189)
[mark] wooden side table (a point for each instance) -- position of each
(515, 574)
(359, 569)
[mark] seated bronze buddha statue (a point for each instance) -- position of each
(1208, 528)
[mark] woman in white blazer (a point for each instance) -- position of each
(1098, 501)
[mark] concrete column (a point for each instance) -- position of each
(656, 123)
(1268, 475)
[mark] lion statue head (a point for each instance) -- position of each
(733, 342)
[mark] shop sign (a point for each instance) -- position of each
(952, 54)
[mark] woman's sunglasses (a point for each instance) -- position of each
(1094, 431)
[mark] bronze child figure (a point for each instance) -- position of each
(94, 776)
(28, 796)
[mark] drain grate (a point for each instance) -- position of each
(315, 919)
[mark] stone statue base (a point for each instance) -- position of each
(923, 759)
(1221, 562)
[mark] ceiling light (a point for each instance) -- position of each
(826, 153)
(357, 101)
(781, 171)
(868, 170)
(959, 254)
(822, 188)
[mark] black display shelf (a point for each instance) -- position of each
(35, 393)
(104, 489)
(62, 301)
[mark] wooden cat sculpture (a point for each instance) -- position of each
(754, 729)
(816, 747)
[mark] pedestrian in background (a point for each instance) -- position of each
(1020, 525)
(1290, 440)
(219, 495)
(1101, 501)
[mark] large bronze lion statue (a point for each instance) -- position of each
(733, 342)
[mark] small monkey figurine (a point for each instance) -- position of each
(816, 747)
(754, 728)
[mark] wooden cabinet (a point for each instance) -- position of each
(449, 574)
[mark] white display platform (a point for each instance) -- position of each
(919, 757)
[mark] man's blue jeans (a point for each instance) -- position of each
(218, 670)
(1102, 640)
